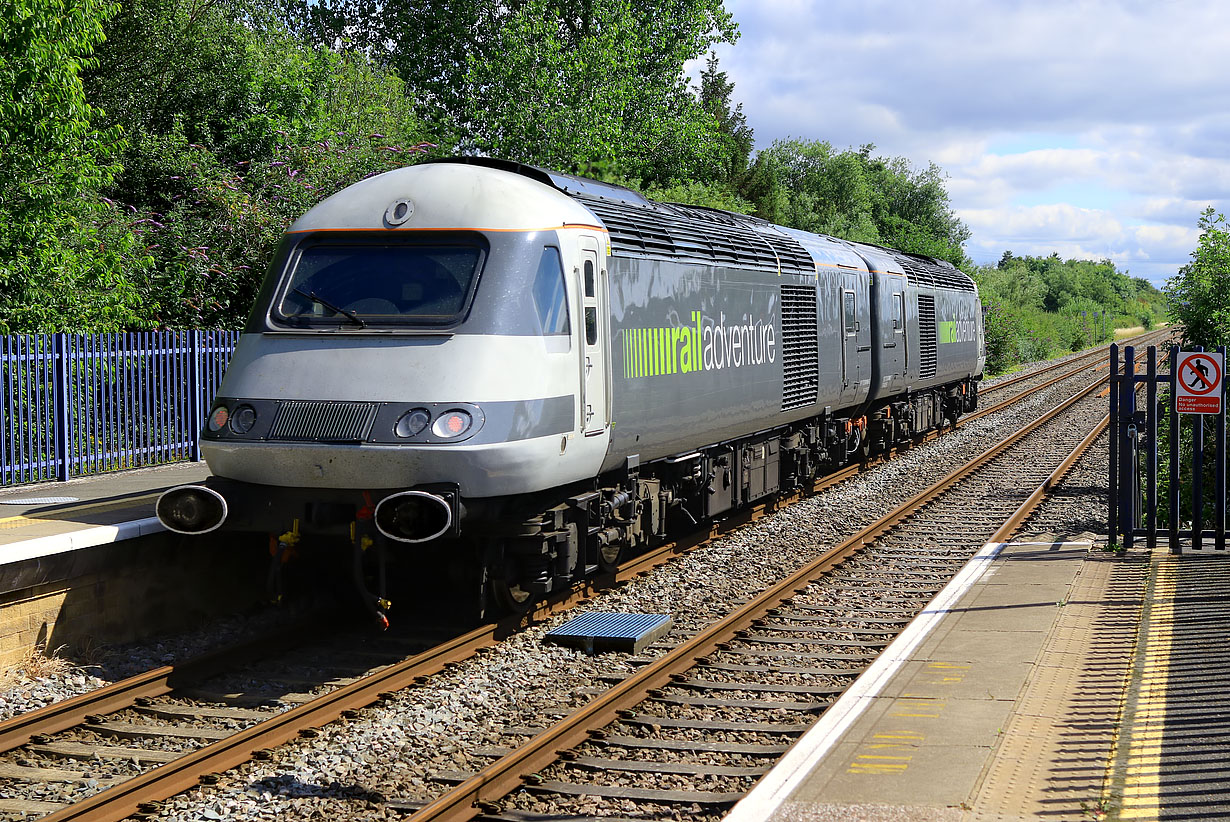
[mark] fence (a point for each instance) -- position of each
(80, 404)
(1192, 442)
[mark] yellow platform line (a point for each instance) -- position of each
(21, 520)
(1135, 772)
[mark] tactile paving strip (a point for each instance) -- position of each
(1052, 760)
(1171, 760)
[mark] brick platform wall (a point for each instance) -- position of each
(126, 591)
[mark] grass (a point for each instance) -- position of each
(1120, 333)
(37, 664)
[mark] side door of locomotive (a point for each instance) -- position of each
(595, 365)
(893, 356)
(849, 327)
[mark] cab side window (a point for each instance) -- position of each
(591, 311)
(550, 298)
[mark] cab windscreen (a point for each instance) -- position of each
(361, 284)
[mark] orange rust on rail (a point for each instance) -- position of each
(122, 800)
(506, 774)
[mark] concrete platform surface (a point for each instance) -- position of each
(1050, 680)
(49, 518)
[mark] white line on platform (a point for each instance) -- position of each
(85, 538)
(776, 786)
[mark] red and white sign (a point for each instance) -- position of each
(1198, 386)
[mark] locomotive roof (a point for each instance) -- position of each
(645, 228)
(490, 199)
(511, 195)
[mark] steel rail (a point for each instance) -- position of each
(479, 793)
(174, 777)
(1022, 513)
(59, 716)
(1027, 507)
(1085, 358)
(645, 562)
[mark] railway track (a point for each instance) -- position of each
(719, 707)
(191, 740)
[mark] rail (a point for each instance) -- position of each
(128, 797)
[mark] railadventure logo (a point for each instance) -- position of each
(952, 331)
(705, 345)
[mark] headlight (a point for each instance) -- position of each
(452, 424)
(218, 418)
(412, 422)
(243, 419)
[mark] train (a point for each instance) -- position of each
(510, 378)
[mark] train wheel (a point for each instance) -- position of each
(609, 556)
(511, 596)
(503, 578)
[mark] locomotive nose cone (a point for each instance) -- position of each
(413, 516)
(191, 509)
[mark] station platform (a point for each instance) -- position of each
(55, 517)
(1052, 679)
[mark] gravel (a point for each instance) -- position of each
(352, 766)
(431, 729)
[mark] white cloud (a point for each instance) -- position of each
(1152, 251)
(1121, 109)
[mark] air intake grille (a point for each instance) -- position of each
(926, 336)
(322, 421)
(924, 272)
(800, 352)
(698, 235)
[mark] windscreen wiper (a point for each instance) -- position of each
(336, 309)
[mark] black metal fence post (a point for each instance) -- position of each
(1151, 414)
(1197, 477)
(1173, 502)
(1219, 473)
(1128, 464)
(1112, 525)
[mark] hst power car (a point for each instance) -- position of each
(520, 375)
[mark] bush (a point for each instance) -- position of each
(1001, 329)
(1199, 295)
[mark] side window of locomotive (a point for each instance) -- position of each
(898, 312)
(378, 283)
(591, 312)
(550, 298)
(850, 313)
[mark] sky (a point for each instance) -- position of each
(1095, 130)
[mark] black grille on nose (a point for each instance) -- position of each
(323, 421)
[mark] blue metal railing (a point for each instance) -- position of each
(81, 404)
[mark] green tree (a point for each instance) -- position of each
(1198, 297)
(62, 253)
(239, 126)
(560, 83)
(1002, 330)
(1012, 282)
(1046, 305)
(911, 209)
(807, 184)
(716, 98)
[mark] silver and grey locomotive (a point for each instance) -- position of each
(527, 374)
